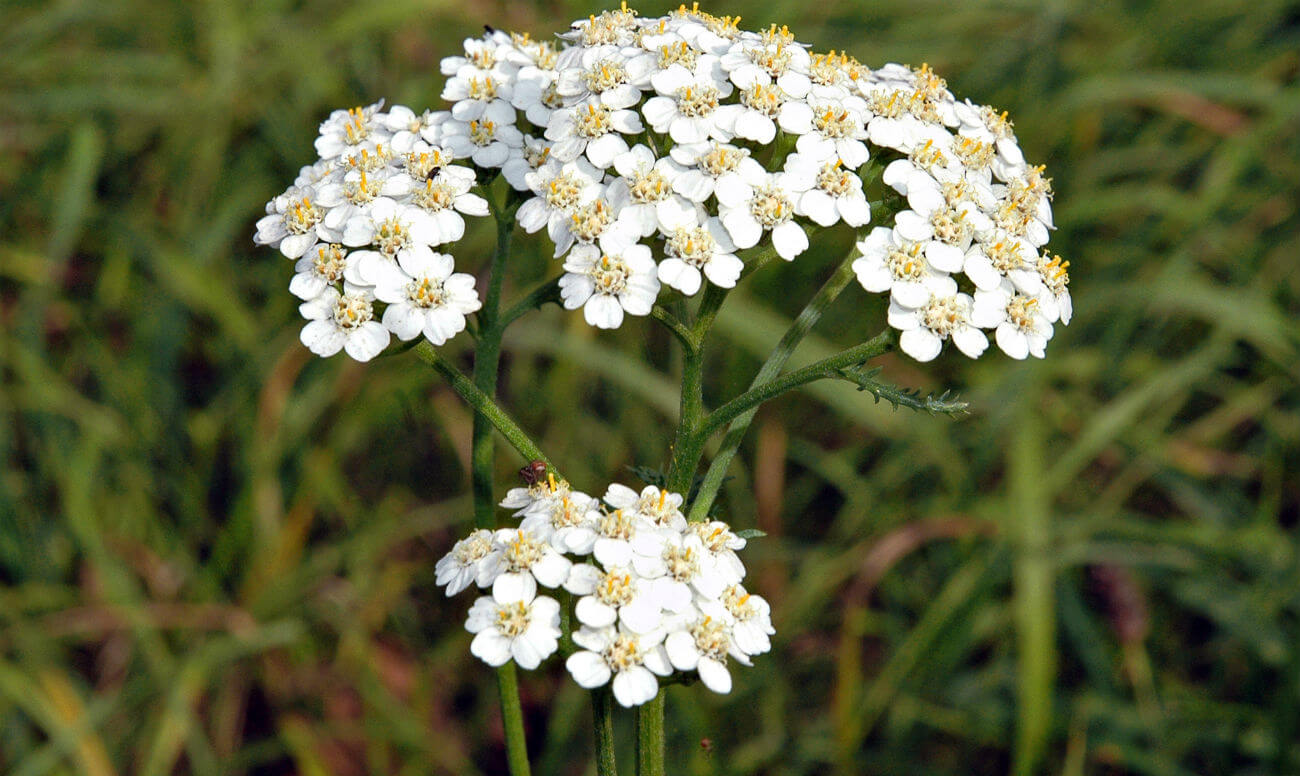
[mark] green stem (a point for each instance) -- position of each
(650, 737)
(829, 367)
(483, 405)
(674, 324)
(487, 363)
(602, 708)
(812, 312)
(512, 716)
(481, 395)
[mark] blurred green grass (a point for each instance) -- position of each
(217, 551)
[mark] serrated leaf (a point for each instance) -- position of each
(946, 403)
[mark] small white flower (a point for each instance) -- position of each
(343, 322)
(828, 191)
(631, 660)
(591, 128)
(528, 160)
(606, 72)
(621, 595)
(716, 169)
(660, 507)
(488, 140)
(946, 314)
(621, 539)
(325, 266)
(1021, 327)
(836, 132)
(463, 566)
(692, 250)
(643, 195)
(769, 60)
(751, 617)
(890, 263)
(294, 223)
(606, 285)
(471, 91)
(527, 630)
(559, 520)
(519, 562)
(703, 647)
(405, 126)
(718, 557)
(1056, 293)
(539, 498)
(686, 107)
(561, 189)
(1003, 256)
(424, 296)
(345, 129)
(770, 208)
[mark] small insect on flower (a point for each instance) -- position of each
(533, 472)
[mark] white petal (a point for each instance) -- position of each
(588, 669)
(635, 686)
(516, 586)
(920, 343)
(491, 647)
(714, 675)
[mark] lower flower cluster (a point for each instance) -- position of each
(655, 596)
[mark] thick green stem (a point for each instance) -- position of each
(602, 708)
(512, 716)
(650, 737)
(811, 313)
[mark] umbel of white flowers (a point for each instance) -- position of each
(657, 596)
(651, 150)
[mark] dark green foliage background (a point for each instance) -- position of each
(217, 551)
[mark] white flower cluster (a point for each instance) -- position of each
(655, 594)
(362, 224)
(651, 151)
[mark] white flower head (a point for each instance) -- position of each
(464, 565)
(686, 107)
(593, 129)
(890, 263)
(520, 561)
(488, 140)
(560, 520)
(706, 249)
(538, 498)
(346, 129)
(607, 285)
(703, 646)
(659, 507)
(828, 191)
(294, 223)
(946, 314)
(343, 322)
(751, 618)
(526, 630)
(324, 266)
(425, 295)
(632, 661)
(769, 208)
(1022, 328)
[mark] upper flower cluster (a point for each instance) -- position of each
(656, 595)
(652, 151)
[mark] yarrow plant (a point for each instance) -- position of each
(666, 159)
